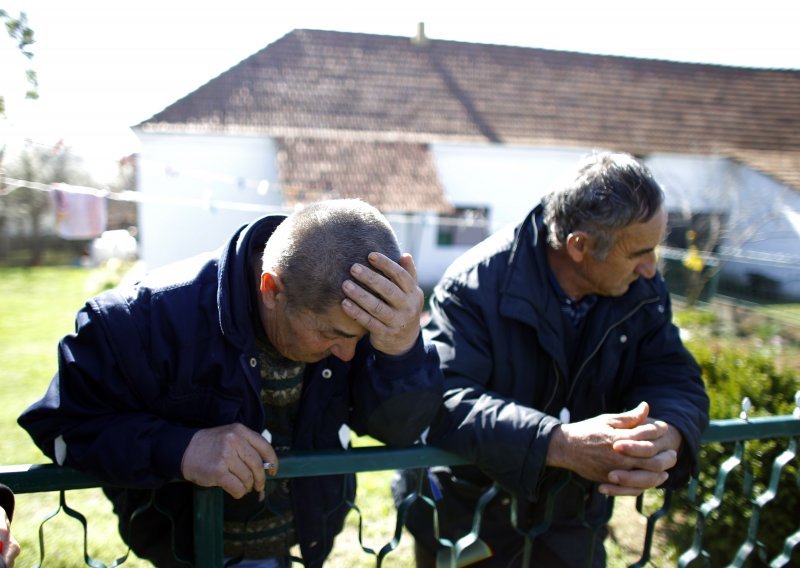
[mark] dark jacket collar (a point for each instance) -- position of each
(236, 283)
(527, 295)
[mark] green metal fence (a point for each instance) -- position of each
(700, 503)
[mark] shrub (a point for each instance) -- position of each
(690, 318)
(731, 375)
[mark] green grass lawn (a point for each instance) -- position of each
(377, 526)
(38, 307)
(789, 313)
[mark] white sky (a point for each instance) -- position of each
(104, 66)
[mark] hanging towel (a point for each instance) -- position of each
(79, 215)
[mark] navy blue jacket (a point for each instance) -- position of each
(497, 325)
(150, 365)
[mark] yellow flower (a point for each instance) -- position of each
(693, 261)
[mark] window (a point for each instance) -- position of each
(466, 226)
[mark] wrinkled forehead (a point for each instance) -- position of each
(333, 321)
(643, 236)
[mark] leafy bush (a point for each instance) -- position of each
(731, 375)
(690, 318)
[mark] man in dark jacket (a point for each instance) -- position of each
(565, 378)
(208, 370)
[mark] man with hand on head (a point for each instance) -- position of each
(299, 329)
(564, 375)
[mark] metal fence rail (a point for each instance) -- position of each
(729, 438)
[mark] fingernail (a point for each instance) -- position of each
(262, 495)
(357, 268)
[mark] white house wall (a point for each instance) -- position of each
(508, 180)
(758, 210)
(694, 183)
(197, 190)
(766, 233)
(511, 180)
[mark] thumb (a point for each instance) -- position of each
(631, 418)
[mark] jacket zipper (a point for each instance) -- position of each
(603, 340)
(555, 388)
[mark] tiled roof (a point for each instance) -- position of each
(374, 87)
(783, 166)
(390, 176)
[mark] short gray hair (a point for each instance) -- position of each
(609, 192)
(313, 249)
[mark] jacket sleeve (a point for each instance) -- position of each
(396, 397)
(94, 416)
(669, 379)
(508, 441)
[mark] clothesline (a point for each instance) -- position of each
(207, 202)
(10, 184)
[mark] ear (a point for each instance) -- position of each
(578, 245)
(271, 287)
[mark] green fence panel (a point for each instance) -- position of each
(737, 433)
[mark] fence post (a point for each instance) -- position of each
(208, 547)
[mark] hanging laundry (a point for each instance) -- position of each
(79, 215)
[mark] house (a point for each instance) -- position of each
(453, 140)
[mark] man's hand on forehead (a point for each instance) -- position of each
(387, 303)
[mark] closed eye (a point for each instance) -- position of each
(641, 253)
(337, 334)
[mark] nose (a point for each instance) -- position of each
(344, 350)
(647, 267)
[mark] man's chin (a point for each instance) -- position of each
(621, 291)
(314, 358)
